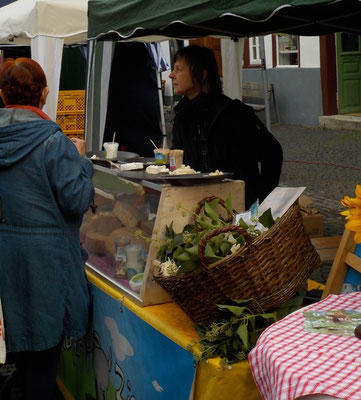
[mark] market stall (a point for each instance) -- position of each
(46, 26)
(154, 22)
(138, 342)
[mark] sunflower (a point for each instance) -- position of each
(353, 215)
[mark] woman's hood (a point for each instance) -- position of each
(18, 139)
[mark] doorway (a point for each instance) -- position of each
(349, 73)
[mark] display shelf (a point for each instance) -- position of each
(111, 235)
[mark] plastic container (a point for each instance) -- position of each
(111, 149)
(136, 282)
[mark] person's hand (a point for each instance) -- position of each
(79, 144)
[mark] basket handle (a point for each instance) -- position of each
(200, 205)
(205, 239)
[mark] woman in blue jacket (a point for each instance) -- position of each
(45, 188)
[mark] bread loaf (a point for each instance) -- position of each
(126, 213)
(105, 222)
(95, 242)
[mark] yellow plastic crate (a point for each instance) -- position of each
(71, 122)
(71, 101)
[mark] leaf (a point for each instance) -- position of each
(254, 337)
(192, 251)
(242, 224)
(169, 232)
(203, 224)
(178, 239)
(181, 255)
(211, 213)
(191, 228)
(266, 219)
(228, 204)
(188, 266)
(225, 248)
(237, 311)
(201, 330)
(209, 253)
(162, 252)
(213, 203)
(242, 332)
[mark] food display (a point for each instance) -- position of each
(124, 234)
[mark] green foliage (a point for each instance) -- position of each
(182, 248)
(234, 335)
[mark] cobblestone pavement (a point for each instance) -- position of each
(327, 162)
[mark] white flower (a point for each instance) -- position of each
(231, 238)
(235, 247)
(169, 268)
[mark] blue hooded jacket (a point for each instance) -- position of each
(45, 188)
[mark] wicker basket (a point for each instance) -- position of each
(195, 293)
(270, 270)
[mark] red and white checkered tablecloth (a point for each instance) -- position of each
(288, 362)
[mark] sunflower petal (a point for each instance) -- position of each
(357, 237)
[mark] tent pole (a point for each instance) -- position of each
(265, 84)
(161, 107)
(88, 129)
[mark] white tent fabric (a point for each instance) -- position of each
(48, 52)
(45, 25)
(232, 57)
(23, 20)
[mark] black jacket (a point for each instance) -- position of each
(216, 132)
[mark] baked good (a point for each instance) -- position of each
(95, 242)
(126, 213)
(105, 222)
(123, 236)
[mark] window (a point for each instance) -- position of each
(287, 50)
(254, 51)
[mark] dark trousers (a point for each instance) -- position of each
(36, 373)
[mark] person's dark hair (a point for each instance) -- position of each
(22, 81)
(200, 59)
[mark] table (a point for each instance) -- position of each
(141, 353)
(288, 362)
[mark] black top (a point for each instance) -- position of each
(216, 132)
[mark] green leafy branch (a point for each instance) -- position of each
(234, 335)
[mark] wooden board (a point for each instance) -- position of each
(168, 211)
(344, 259)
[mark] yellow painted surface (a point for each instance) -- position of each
(212, 381)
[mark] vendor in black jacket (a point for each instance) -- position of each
(216, 132)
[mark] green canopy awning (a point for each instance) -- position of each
(153, 20)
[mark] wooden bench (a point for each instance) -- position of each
(252, 91)
(326, 247)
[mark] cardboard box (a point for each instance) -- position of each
(312, 218)
(313, 223)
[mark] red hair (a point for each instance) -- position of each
(22, 81)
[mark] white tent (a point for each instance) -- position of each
(45, 25)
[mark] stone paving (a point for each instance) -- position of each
(327, 162)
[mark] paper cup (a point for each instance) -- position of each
(111, 149)
(161, 156)
(175, 159)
